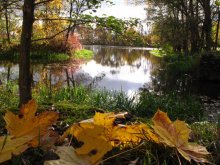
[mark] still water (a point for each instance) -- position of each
(114, 68)
(120, 68)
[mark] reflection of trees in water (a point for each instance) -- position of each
(8, 71)
(165, 81)
(116, 57)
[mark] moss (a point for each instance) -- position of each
(71, 112)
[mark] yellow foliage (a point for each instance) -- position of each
(12, 146)
(176, 134)
(97, 135)
(95, 145)
(101, 133)
(29, 124)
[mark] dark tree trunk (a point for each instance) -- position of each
(193, 28)
(7, 21)
(207, 25)
(8, 74)
(217, 30)
(24, 61)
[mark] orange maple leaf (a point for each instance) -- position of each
(176, 134)
(29, 124)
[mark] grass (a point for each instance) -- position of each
(45, 57)
(83, 54)
(186, 108)
(158, 53)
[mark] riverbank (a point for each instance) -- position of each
(46, 54)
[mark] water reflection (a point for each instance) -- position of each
(114, 68)
(124, 68)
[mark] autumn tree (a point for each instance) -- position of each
(8, 15)
(41, 8)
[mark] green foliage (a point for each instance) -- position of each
(8, 100)
(182, 107)
(204, 132)
(41, 56)
(83, 54)
(48, 57)
(180, 64)
(217, 3)
(158, 52)
(145, 105)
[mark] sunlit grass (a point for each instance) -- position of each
(83, 54)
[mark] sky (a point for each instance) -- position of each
(122, 10)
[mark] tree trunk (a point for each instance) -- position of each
(24, 61)
(70, 23)
(208, 25)
(217, 30)
(7, 21)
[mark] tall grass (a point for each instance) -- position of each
(80, 98)
(143, 104)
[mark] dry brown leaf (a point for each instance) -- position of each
(68, 156)
(176, 134)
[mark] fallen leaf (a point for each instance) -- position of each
(132, 134)
(12, 146)
(100, 134)
(28, 110)
(176, 134)
(95, 145)
(68, 156)
(29, 124)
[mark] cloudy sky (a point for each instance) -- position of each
(122, 10)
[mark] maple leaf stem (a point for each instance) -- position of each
(3, 145)
(178, 157)
(122, 152)
(70, 140)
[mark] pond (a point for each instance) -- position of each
(118, 68)
(112, 68)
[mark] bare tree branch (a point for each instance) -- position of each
(41, 2)
(51, 37)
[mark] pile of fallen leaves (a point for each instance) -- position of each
(97, 136)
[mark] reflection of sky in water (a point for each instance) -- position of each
(126, 78)
(14, 71)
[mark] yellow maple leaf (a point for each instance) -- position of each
(119, 134)
(101, 133)
(12, 146)
(176, 134)
(95, 145)
(29, 124)
(132, 134)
